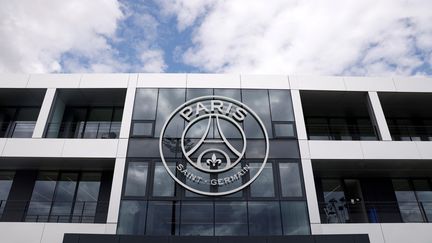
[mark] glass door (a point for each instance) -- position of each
(354, 201)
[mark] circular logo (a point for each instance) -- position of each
(212, 145)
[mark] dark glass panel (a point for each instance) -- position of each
(132, 218)
(194, 93)
(23, 129)
(142, 128)
(87, 197)
(258, 101)
(407, 201)
(424, 195)
(163, 184)
(136, 180)
(281, 148)
(281, 105)
(27, 114)
(290, 180)
(197, 218)
(263, 186)
(145, 104)
(334, 198)
(42, 197)
(295, 218)
(230, 93)
(264, 218)
(168, 101)
(63, 197)
(231, 218)
(162, 218)
(284, 130)
(6, 179)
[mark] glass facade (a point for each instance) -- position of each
(154, 204)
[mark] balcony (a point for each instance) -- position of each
(53, 211)
(90, 129)
(17, 129)
(376, 212)
(338, 116)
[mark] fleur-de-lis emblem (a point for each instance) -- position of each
(214, 161)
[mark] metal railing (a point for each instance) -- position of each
(17, 129)
(84, 129)
(376, 212)
(51, 211)
(341, 132)
(411, 132)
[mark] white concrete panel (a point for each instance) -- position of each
(88, 148)
(312, 201)
(54, 81)
(378, 116)
(156, 80)
(104, 80)
(116, 189)
(13, 80)
(369, 84)
(317, 82)
(2, 145)
(335, 149)
(53, 233)
(213, 81)
(127, 112)
(264, 81)
(11, 232)
(122, 147)
(298, 114)
(405, 233)
(44, 112)
(28, 147)
(413, 84)
(389, 150)
(304, 149)
(133, 79)
(425, 149)
(373, 230)
(110, 228)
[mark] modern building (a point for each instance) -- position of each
(131, 158)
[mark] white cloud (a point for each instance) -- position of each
(365, 37)
(35, 33)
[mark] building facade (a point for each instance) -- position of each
(214, 157)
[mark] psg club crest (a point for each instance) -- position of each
(213, 145)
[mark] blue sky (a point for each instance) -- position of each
(338, 37)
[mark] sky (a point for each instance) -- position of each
(305, 37)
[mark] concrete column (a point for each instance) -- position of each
(116, 190)
(44, 112)
(128, 106)
(298, 114)
(378, 116)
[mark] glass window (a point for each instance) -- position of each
(334, 198)
(145, 104)
(407, 201)
(281, 105)
(290, 180)
(295, 218)
(87, 197)
(23, 129)
(132, 218)
(264, 218)
(258, 101)
(283, 130)
(231, 218)
(42, 197)
(136, 180)
(263, 186)
(163, 184)
(230, 93)
(162, 218)
(6, 179)
(194, 93)
(169, 100)
(197, 218)
(64, 197)
(142, 128)
(424, 196)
